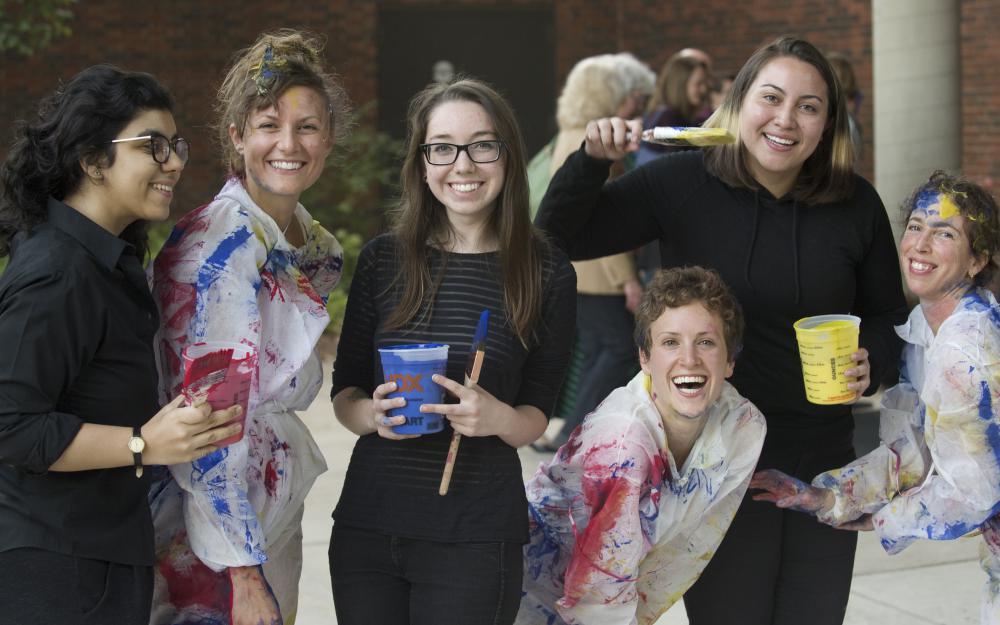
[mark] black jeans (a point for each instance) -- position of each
(392, 580)
(778, 567)
(39, 587)
(604, 330)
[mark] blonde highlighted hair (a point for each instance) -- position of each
(827, 175)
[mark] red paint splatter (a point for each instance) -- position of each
(190, 582)
(607, 499)
(271, 355)
(270, 478)
(272, 285)
(307, 289)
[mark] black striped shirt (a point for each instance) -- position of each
(392, 486)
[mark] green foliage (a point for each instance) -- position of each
(158, 233)
(27, 26)
(346, 200)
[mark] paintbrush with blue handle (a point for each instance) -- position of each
(477, 352)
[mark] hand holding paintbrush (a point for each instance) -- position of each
(477, 352)
(611, 138)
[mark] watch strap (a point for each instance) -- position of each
(137, 455)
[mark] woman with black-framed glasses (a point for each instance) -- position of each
(77, 374)
(461, 242)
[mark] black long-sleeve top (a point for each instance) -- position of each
(76, 335)
(783, 260)
(392, 486)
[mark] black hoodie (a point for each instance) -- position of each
(784, 260)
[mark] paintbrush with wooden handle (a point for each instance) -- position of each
(477, 352)
(687, 135)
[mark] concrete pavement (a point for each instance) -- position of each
(931, 583)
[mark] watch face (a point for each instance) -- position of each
(136, 445)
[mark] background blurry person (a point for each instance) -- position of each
(608, 289)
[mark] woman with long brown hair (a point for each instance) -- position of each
(461, 242)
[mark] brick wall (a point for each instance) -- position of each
(187, 45)
(980, 92)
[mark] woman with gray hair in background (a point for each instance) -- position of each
(608, 289)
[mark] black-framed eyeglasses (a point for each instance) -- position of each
(447, 153)
(160, 147)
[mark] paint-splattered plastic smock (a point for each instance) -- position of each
(618, 531)
(227, 273)
(936, 473)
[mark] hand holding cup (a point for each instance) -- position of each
(179, 433)
(381, 405)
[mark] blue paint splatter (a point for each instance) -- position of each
(985, 401)
(221, 505)
(927, 198)
(215, 263)
(206, 463)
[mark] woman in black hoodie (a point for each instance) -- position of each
(794, 232)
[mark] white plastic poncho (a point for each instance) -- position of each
(227, 273)
(936, 473)
(618, 533)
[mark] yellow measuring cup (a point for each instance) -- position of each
(826, 343)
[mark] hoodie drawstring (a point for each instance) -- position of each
(795, 247)
(753, 240)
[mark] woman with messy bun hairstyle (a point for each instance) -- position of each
(252, 268)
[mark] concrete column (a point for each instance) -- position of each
(917, 108)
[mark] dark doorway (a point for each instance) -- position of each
(511, 48)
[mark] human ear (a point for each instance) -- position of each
(235, 137)
(644, 360)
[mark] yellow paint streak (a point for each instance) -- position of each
(932, 416)
(948, 208)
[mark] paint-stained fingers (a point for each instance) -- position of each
(384, 428)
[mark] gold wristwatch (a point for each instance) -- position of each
(136, 444)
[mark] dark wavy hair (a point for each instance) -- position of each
(74, 125)
(680, 286)
(982, 219)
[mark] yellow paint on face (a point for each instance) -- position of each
(947, 206)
